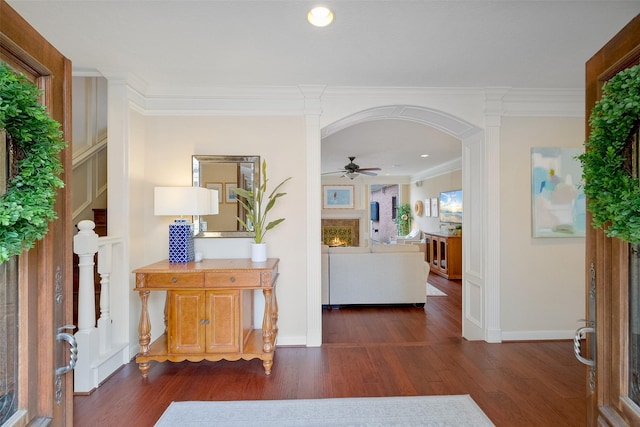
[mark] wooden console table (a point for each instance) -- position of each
(209, 311)
(444, 254)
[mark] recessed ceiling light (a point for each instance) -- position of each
(320, 16)
(424, 155)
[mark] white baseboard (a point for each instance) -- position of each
(292, 341)
(538, 335)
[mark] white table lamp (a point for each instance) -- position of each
(183, 201)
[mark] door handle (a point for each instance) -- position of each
(73, 349)
(576, 345)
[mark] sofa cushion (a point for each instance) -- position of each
(349, 250)
(394, 248)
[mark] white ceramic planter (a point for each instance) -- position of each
(258, 252)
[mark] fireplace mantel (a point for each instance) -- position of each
(344, 214)
(344, 225)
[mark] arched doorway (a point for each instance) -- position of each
(480, 258)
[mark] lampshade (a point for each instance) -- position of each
(184, 201)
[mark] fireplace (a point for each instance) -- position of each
(341, 232)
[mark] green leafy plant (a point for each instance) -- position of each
(27, 206)
(613, 195)
(403, 219)
(258, 205)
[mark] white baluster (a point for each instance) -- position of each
(104, 322)
(85, 245)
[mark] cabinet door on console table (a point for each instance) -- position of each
(203, 321)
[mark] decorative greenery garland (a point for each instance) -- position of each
(27, 206)
(613, 195)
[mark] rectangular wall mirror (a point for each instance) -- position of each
(224, 173)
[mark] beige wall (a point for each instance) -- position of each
(542, 279)
(170, 143)
(431, 188)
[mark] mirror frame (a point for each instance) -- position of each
(197, 160)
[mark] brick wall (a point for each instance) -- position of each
(386, 227)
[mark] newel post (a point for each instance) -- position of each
(85, 245)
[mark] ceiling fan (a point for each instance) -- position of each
(352, 170)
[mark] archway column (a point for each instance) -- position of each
(493, 122)
(312, 111)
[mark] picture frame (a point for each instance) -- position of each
(434, 207)
(558, 203)
(215, 186)
(337, 197)
(229, 193)
(427, 207)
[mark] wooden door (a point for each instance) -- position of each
(222, 321)
(610, 387)
(186, 322)
(44, 273)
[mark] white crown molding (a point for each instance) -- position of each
(451, 166)
(350, 91)
(228, 101)
(305, 99)
(544, 103)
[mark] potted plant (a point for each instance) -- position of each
(257, 205)
(404, 219)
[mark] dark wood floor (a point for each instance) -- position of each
(368, 352)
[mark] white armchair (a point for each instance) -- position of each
(414, 236)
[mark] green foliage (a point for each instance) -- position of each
(257, 210)
(27, 206)
(613, 196)
(403, 219)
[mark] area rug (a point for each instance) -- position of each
(458, 411)
(432, 291)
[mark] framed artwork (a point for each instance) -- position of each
(434, 206)
(558, 207)
(427, 207)
(229, 193)
(337, 196)
(215, 186)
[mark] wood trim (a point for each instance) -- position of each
(610, 257)
(24, 49)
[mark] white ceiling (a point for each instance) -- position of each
(173, 45)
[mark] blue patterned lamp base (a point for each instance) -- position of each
(181, 241)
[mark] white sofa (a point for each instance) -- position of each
(380, 274)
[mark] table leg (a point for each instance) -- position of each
(274, 313)
(267, 363)
(268, 335)
(144, 332)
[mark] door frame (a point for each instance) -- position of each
(46, 270)
(607, 404)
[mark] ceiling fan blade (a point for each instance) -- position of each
(369, 169)
(367, 173)
(331, 173)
